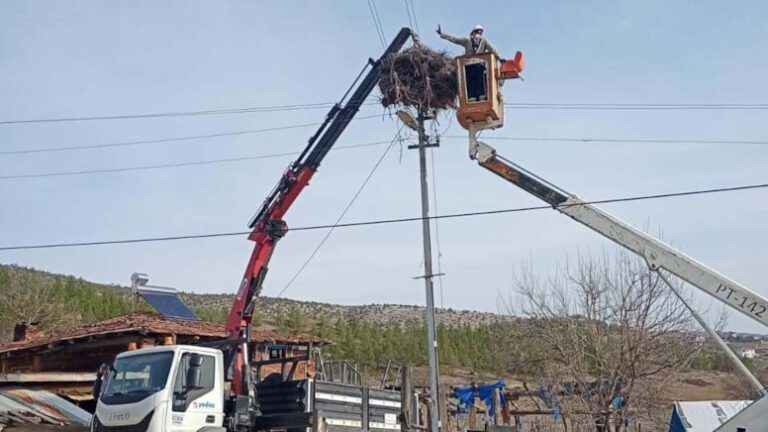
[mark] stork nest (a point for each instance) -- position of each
(419, 77)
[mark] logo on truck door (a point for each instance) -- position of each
(203, 405)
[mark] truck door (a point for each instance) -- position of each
(197, 397)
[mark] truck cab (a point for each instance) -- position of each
(162, 389)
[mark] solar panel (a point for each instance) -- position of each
(166, 302)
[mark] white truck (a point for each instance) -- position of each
(168, 388)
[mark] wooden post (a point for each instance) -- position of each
(505, 413)
(428, 413)
(443, 404)
(406, 393)
(497, 407)
(472, 417)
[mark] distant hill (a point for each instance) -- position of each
(388, 314)
(215, 306)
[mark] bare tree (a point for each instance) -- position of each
(608, 333)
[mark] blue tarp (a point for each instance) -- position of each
(466, 395)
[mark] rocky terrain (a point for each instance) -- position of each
(377, 313)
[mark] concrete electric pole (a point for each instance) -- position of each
(434, 367)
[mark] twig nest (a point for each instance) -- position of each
(419, 76)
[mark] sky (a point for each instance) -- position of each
(90, 58)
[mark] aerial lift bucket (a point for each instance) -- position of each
(481, 101)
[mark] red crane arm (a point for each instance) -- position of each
(268, 225)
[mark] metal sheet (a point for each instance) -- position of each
(45, 405)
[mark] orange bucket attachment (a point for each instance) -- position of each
(510, 69)
(480, 101)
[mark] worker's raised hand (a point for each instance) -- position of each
(439, 30)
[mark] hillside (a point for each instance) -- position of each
(215, 306)
(393, 314)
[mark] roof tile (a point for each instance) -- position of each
(150, 323)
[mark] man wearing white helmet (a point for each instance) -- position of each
(474, 44)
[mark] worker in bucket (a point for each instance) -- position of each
(474, 44)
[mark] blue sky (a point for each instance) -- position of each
(84, 58)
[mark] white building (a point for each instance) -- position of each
(747, 353)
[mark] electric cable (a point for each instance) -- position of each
(172, 139)
(379, 33)
(394, 220)
(174, 165)
(615, 140)
(321, 105)
(341, 216)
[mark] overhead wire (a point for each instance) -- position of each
(415, 20)
(634, 106)
(274, 155)
(408, 11)
(321, 105)
(224, 111)
(171, 139)
(174, 165)
(349, 205)
(616, 140)
(381, 27)
(437, 229)
(376, 23)
(396, 220)
(298, 126)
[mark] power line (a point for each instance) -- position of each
(224, 111)
(172, 139)
(634, 106)
(615, 140)
(274, 155)
(377, 23)
(437, 229)
(322, 105)
(408, 11)
(392, 221)
(415, 20)
(173, 165)
(298, 126)
(381, 27)
(341, 216)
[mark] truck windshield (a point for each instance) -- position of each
(135, 377)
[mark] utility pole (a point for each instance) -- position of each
(434, 368)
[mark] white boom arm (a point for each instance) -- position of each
(656, 253)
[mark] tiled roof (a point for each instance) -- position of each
(148, 323)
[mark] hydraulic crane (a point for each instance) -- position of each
(268, 225)
(196, 388)
(479, 113)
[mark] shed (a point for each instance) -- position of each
(703, 416)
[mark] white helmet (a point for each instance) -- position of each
(478, 28)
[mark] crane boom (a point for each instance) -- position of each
(656, 253)
(268, 226)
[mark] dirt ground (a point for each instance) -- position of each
(689, 386)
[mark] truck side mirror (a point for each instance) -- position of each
(99, 381)
(194, 373)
